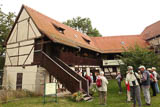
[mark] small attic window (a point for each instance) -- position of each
(86, 40)
(59, 29)
(122, 42)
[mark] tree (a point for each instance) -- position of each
(136, 56)
(6, 22)
(83, 25)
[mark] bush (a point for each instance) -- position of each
(93, 90)
(4, 96)
(77, 96)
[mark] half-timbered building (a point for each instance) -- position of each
(38, 44)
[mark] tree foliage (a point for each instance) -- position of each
(6, 22)
(83, 25)
(137, 56)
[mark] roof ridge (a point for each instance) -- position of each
(118, 36)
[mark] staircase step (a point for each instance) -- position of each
(85, 95)
(87, 98)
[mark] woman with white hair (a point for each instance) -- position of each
(131, 78)
(102, 89)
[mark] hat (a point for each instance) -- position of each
(101, 72)
(153, 68)
(142, 67)
(130, 67)
(149, 69)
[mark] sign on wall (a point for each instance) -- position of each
(112, 62)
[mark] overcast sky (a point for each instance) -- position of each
(110, 17)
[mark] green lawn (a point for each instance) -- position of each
(113, 100)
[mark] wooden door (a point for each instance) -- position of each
(19, 81)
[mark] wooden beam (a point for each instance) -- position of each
(23, 20)
(20, 46)
(32, 29)
(19, 55)
(28, 29)
(17, 33)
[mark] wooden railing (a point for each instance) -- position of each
(61, 74)
(85, 83)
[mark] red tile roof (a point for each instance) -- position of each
(73, 38)
(70, 37)
(151, 31)
(116, 44)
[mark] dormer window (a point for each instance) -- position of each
(59, 29)
(86, 40)
(122, 42)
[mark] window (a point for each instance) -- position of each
(86, 40)
(122, 42)
(59, 29)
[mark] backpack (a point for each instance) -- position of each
(99, 82)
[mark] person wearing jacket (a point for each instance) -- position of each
(152, 81)
(103, 89)
(145, 85)
(131, 78)
(156, 80)
(119, 79)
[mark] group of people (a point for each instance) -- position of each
(143, 79)
(135, 82)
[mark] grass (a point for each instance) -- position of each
(113, 100)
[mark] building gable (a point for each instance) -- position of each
(24, 29)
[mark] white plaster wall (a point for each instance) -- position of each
(41, 75)
(12, 38)
(26, 42)
(22, 30)
(25, 49)
(22, 59)
(7, 61)
(14, 60)
(35, 30)
(12, 45)
(24, 15)
(12, 52)
(29, 77)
